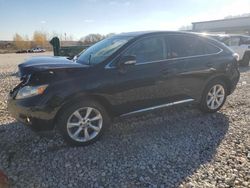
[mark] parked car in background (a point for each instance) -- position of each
(21, 51)
(37, 50)
(122, 75)
(33, 50)
(239, 44)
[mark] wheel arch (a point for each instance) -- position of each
(221, 77)
(224, 79)
(204, 105)
(85, 96)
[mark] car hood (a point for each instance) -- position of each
(37, 64)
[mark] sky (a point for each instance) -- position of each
(81, 17)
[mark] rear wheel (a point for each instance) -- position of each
(83, 123)
(213, 97)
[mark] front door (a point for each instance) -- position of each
(144, 84)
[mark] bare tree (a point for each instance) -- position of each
(21, 42)
(92, 38)
(109, 35)
(40, 38)
(62, 37)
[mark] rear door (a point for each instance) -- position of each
(193, 60)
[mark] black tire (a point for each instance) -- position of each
(245, 61)
(203, 103)
(67, 112)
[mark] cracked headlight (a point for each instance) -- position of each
(30, 91)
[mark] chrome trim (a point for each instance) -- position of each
(108, 66)
(156, 107)
(180, 58)
(131, 62)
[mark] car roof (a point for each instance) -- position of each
(143, 33)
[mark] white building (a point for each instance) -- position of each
(239, 25)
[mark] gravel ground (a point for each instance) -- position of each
(174, 147)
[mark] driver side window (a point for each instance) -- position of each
(147, 50)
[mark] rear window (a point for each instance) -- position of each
(185, 46)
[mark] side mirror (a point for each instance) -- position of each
(127, 60)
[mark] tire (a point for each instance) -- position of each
(246, 60)
(77, 125)
(213, 101)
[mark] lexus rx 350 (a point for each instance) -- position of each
(122, 75)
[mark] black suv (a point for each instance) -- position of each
(120, 76)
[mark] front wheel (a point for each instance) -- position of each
(83, 123)
(213, 97)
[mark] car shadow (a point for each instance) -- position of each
(160, 148)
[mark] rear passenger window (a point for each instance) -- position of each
(185, 46)
(209, 48)
(235, 41)
(147, 50)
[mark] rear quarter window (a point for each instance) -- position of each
(234, 41)
(186, 46)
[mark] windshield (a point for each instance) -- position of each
(102, 50)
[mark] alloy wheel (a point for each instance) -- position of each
(84, 124)
(215, 97)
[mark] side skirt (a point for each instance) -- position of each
(156, 107)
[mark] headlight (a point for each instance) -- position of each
(30, 91)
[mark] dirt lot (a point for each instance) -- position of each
(174, 147)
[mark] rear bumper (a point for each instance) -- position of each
(37, 118)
